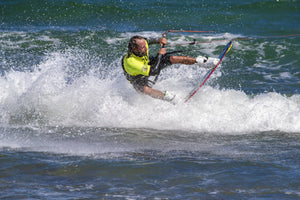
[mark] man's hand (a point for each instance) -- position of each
(162, 51)
(162, 41)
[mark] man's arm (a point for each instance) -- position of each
(155, 69)
(152, 41)
(161, 41)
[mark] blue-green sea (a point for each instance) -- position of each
(72, 127)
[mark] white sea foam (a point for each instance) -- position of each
(44, 97)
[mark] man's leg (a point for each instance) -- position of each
(166, 96)
(153, 93)
(206, 62)
(182, 60)
(142, 85)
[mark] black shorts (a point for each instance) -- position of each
(139, 81)
(165, 61)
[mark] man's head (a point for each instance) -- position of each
(137, 45)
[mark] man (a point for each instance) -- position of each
(138, 66)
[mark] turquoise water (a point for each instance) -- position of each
(72, 127)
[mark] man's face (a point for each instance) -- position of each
(141, 49)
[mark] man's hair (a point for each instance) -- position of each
(133, 43)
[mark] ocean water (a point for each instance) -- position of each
(72, 127)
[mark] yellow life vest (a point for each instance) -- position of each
(135, 65)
